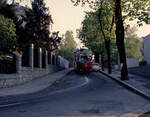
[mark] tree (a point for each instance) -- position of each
(14, 1)
(8, 11)
(68, 47)
(91, 37)
(120, 39)
(99, 36)
(7, 34)
(106, 22)
(135, 9)
(38, 20)
(53, 42)
(69, 40)
(119, 30)
(103, 19)
(133, 44)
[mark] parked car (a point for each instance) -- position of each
(96, 67)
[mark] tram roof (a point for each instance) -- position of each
(83, 52)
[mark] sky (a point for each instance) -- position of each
(66, 16)
(69, 17)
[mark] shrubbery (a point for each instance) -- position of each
(7, 33)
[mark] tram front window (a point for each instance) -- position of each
(84, 59)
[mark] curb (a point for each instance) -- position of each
(12, 98)
(51, 83)
(128, 86)
(70, 70)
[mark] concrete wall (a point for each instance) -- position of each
(63, 62)
(25, 75)
(147, 48)
(132, 62)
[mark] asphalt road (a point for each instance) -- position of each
(79, 95)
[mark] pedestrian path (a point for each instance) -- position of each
(34, 85)
(139, 84)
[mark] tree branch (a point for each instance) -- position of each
(100, 23)
(112, 24)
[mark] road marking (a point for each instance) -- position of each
(13, 104)
(86, 81)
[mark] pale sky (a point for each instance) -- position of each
(65, 15)
(69, 17)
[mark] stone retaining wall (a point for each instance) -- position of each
(26, 74)
(63, 62)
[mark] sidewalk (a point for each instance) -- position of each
(136, 83)
(34, 85)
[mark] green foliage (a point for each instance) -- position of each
(38, 20)
(137, 9)
(90, 33)
(94, 39)
(132, 9)
(54, 42)
(69, 40)
(68, 47)
(67, 53)
(8, 11)
(7, 33)
(133, 44)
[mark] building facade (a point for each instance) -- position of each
(146, 48)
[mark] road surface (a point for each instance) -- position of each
(79, 95)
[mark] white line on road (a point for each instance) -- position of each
(13, 104)
(86, 81)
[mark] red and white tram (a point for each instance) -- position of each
(83, 61)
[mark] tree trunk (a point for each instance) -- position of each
(107, 44)
(102, 61)
(96, 57)
(120, 39)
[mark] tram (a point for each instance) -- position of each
(83, 61)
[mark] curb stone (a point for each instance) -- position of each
(128, 86)
(12, 98)
(35, 80)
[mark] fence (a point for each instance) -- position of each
(25, 57)
(36, 63)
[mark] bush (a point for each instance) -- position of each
(143, 62)
(7, 33)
